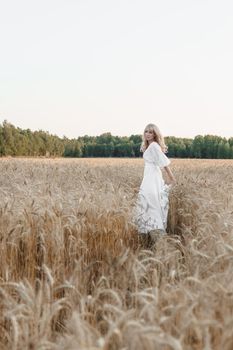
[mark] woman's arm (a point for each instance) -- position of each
(170, 175)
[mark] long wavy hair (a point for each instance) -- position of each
(158, 137)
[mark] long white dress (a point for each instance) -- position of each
(153, 198)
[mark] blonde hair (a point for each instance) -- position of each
(158, 137)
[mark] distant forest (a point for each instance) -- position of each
(19, 142)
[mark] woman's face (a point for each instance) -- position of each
(149, 135)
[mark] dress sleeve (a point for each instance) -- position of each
(159, 157)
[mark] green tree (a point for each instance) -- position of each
(197, 146)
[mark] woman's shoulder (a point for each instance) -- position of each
(155, 144)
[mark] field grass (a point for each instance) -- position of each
(73, 274)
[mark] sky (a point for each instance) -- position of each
(85, 67)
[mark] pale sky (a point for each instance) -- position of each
(76, 67)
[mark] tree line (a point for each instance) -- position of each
(15, 141)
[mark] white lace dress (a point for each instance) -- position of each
(150, 212)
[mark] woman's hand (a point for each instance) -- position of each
(172, 181)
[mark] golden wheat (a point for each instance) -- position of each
(75, 276)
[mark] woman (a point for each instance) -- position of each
(152, 202)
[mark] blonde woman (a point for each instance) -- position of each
(152, 202)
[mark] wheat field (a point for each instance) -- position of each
(73, 274)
